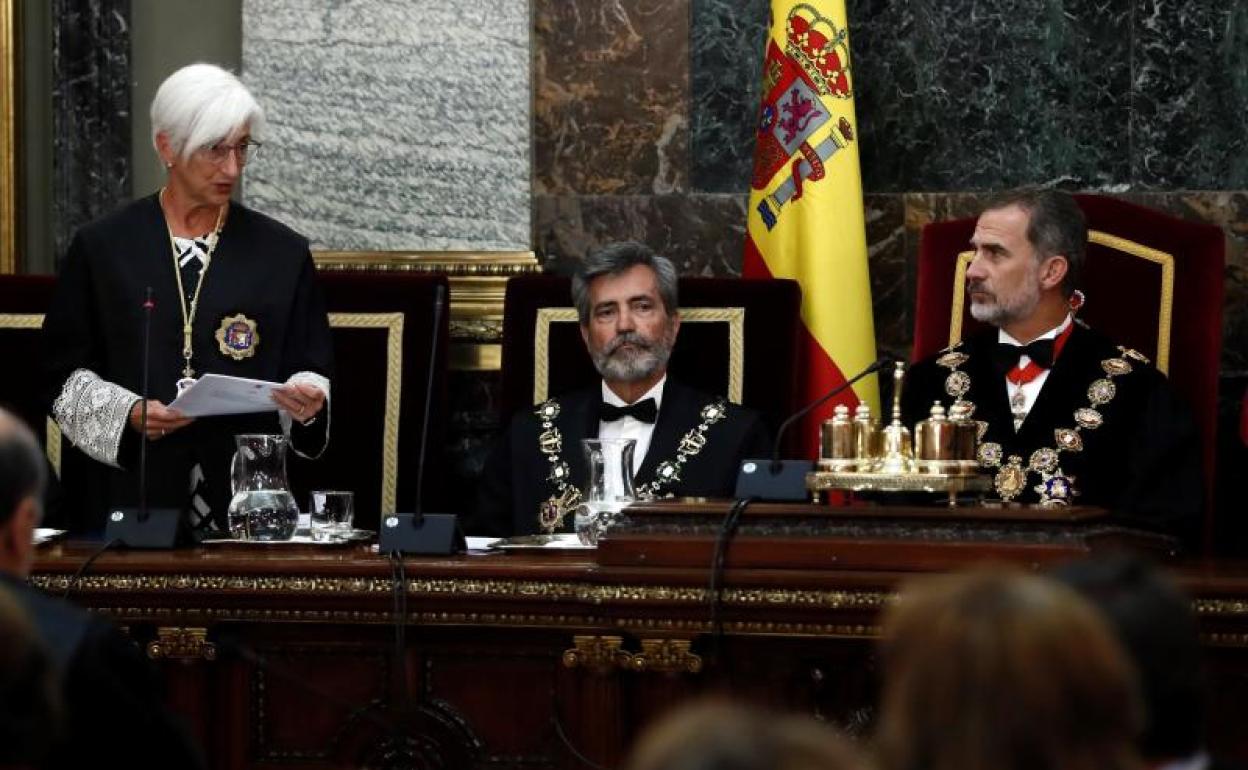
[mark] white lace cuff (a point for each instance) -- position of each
(93, 413)
(316, 380)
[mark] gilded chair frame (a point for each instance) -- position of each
(392, 324)
(1165, 299)
(52, 431)
(733, 316)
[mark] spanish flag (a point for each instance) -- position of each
(805, 219)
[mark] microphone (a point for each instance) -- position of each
(785, 480)
(434, 534)
(144, 528)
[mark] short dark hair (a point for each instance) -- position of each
(1157, 628)
(1056, 225)
(23, 470)
(615, 258)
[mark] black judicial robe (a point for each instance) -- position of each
(260, 268)
(1143, 462)
(514, 484)
(114, 714)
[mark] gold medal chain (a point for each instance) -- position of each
(188, 313)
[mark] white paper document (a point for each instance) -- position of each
(215, 394)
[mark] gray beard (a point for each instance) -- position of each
(999, 314)
(632, 366)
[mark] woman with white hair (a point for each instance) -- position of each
(233, 292)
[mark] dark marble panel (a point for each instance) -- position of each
(611, 84)
(703, 234)
(892, 279)
(965, 95)
(725, 61)
(90, 112)
(1189, 98)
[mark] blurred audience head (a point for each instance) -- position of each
(23, 474)
(1000, 670)
(30, 701)
(1156, 626)
(722, 736)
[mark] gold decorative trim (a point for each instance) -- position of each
(493, 588)
(393, 324)
(9, 97)
(181, 644)
(1165, 310)
(599, 654)
(733, 316)
(123, 615)
(667, 656)
(478, 288)
(34, 322)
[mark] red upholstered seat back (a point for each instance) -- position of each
(768, 324)
(1126, 296)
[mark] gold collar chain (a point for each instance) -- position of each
(1055, 487)
(553, 510)
(188, 312)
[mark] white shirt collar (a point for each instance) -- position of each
(1003, 336)
(609, 396)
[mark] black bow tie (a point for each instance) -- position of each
(1006, 356)
(645, 411)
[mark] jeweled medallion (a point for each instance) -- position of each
(989, 454)
(550, 441)
(957, 384)
(238, 337)
(953, 360)
(713, 412)
(667, 471)
(1057, 489)
(1137, 355)
(1101, 392)
(1011, 479)
(1043, 460)
(1088, 419)
(1116, 367)
(547, 410)
(1068, 439)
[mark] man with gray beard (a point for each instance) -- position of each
(688, 443)
(1067, 417)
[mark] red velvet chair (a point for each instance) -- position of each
(1153, 282)
(737, 338)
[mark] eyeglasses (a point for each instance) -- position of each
(245, 152)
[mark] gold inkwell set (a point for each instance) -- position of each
(856, 454)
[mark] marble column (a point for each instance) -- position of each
(393, 125)
(90, 113)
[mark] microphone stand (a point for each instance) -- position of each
(785, 480)
(433, 534)
(144, 527)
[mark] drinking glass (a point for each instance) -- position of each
(333, 514)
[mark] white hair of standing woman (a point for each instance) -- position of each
(200, 105)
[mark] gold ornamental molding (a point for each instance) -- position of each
(733, 316)
(181, 644)
(1165, 298)
(589, 593)
(33, 322)
(667, 656)
(603, 654)
(478, 283)
(10, 94)
(392, 324)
